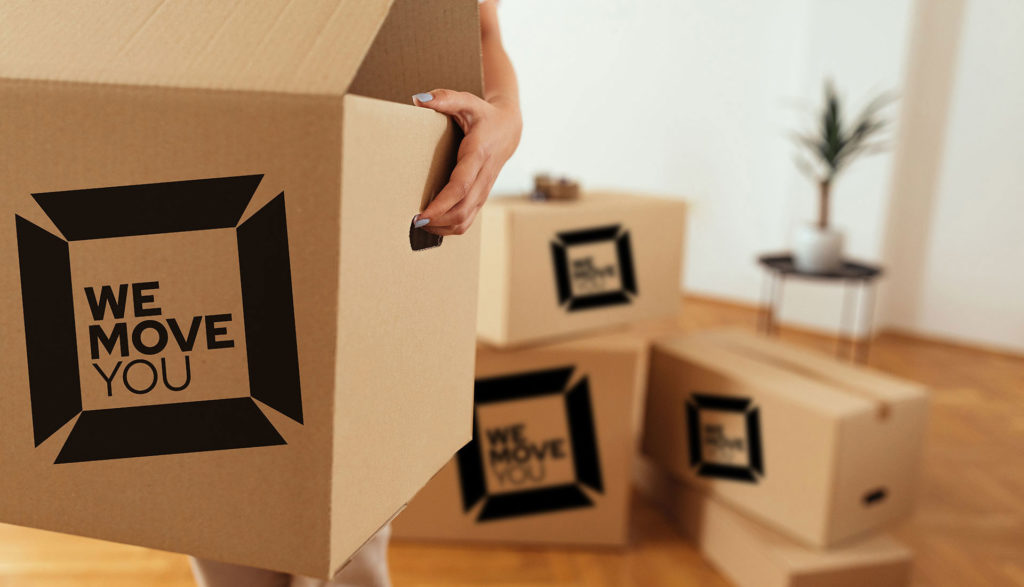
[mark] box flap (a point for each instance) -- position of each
(816, 394)
(423, 45)
(868, 383)
(308, 47)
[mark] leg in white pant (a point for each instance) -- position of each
(369, 568)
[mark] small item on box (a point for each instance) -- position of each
(546, 187)
(541, 187)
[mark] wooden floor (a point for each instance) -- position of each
(968, 529)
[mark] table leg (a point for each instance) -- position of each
(846, 339)
(763, 307)
(868, 306)
(778, 284)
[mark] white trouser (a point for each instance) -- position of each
(369, 568)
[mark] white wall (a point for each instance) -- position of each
(671, 97)
(697, 99)
(968, 265)
(863, 47)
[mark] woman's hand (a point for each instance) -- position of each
(492, 126)
(492, 131)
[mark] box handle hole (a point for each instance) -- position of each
(420, 239)
(875, 496)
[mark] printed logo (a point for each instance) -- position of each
(724, 437)
(593, 268)
(534, 447)
(149, 312)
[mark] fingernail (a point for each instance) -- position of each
(424, 97)
(420, 222)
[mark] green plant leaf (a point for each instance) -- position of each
(836, 144)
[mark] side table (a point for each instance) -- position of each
(855, 277)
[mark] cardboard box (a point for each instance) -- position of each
(552, 451)
(218, 338)
(751, 555)
(555, 268)
(821, 450)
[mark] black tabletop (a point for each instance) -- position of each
(783, 263)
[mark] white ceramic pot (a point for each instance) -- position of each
(816, 250)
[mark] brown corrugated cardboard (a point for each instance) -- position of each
(753, 556)
(555, 268)
(218, 338)
(821, 450)
(552, 454)
(313, 47)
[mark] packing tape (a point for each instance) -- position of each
(882, 407)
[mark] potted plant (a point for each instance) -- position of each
(830, 149)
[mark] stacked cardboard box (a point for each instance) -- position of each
(555, 423)
(218, 337)
(751, 555)
(755, 432)
(555, 269)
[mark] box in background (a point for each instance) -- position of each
(551, 269)
(552, 452)
(821, 450)
(219, 339)
(751, 555)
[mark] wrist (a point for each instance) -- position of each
(505, 103)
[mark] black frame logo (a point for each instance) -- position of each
(583, 438)
(50, 327)
(700, 403)
(613, 234)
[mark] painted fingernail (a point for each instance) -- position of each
(420, 222)
(424, 97)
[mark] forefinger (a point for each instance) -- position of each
(457, 189)
(459, 219)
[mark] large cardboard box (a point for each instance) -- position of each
(552, 449)
(751, 555)
(217, 337)
(821, 450)
(561, 267)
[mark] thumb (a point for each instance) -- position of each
(462, 106)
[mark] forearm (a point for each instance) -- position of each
(500, 84)
(492, 126)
